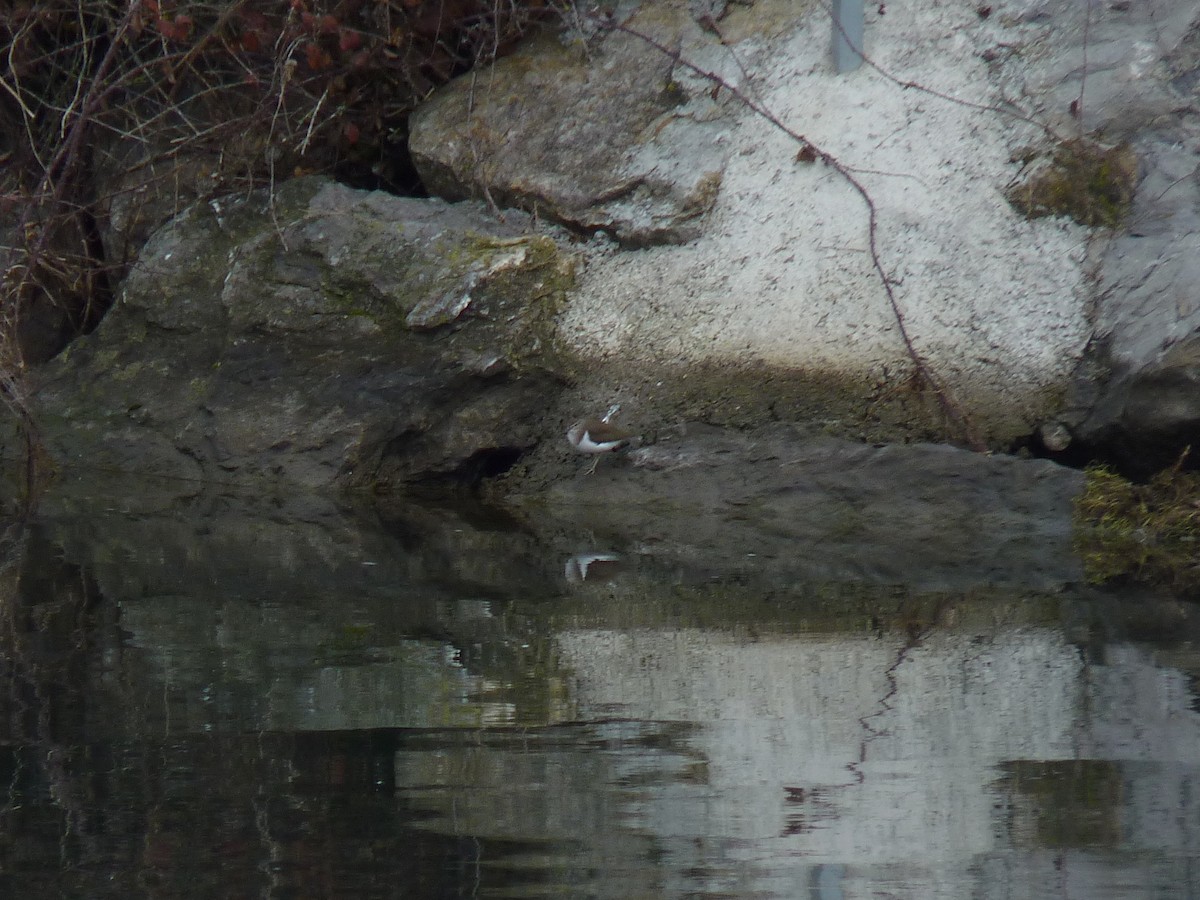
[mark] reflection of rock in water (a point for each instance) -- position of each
(806, 760)
(773, 761)
(781, 506)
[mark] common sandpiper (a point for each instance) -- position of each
(597, 436)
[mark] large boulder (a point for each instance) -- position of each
(1127, 73)
(608, 142)
(320, 336)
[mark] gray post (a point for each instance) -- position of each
(847, 34)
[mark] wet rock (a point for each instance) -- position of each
(779, 505)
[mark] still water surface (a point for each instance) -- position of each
(204, 704)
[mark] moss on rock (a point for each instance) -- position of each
(1086, 181)
(1147, 532)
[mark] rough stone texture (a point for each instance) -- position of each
(772, 508)
(335, 337)
(348, 338)
(1144, 406)
(602, 141)
(1009, 311)
(1135, 394)
(780, 505)
(140, 191)
(1120, 62)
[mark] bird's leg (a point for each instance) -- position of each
(591, 470)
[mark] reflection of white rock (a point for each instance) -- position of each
(830, 765)
(1145, 712)
(812, 756)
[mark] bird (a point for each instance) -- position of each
(598, 566)
(598, 436)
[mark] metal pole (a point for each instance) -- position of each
(847, 34)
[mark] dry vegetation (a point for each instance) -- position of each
(114, 113)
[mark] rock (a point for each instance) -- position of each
(302, 337)
(1019, 314)
(773, 510)
(778, 505)
(1117, 60)
(1148, 417)
(1135, 402)
(1055, 437)
(774, 275)
(1133, 396)
(355, 339)
(606, 140)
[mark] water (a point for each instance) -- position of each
(231, 699)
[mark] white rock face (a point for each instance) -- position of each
(730, 250)
(996, 302)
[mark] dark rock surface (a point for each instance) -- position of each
(319, 337)
(777, 510)
(781, 505)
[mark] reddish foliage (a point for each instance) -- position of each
(178, 30)
(317, 58)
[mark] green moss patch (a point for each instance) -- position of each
(1090, 183)
(1148, 532)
